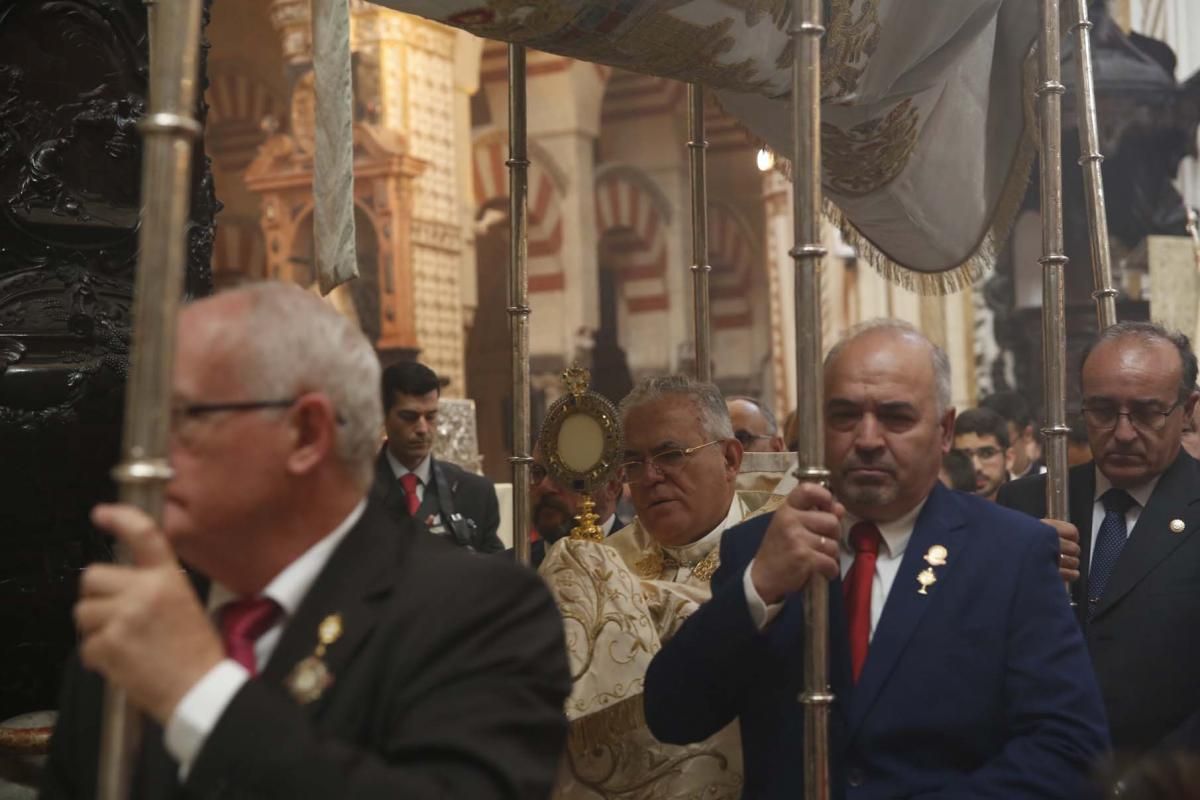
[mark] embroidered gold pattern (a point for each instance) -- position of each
(656, 562)
(849, 44)
(870, 155)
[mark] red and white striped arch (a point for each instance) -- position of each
(630, 205)
(234, 96)
(545, 230)
(732, 254)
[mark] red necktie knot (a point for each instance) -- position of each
(410, 481)
(242, 622)
(864, 539)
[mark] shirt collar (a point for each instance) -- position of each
(290, 586)
(704, 545)
(1141, 493)
(424, 470)
(895, 534)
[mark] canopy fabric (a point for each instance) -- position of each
(926, 130)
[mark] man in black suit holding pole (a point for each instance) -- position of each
(1135, 510)
(326, 658)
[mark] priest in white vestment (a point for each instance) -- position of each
(622, 599)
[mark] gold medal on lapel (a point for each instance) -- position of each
(1177, 526)
(308, 680)
(937, 556)
(926, 578)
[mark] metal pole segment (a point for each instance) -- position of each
(518, 298)
(168, 130)
(1090, 160)
(701, 307)
(1053, 261)
(817, 697)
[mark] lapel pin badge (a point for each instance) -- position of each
(936, 557)
(1177, 526)
(309, 679)
(926, 578)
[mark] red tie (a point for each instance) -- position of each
(864, 538)
(409, 481)
(242, 622)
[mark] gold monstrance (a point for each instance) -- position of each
(581, 442)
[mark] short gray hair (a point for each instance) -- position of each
(763, 408)
(940, 361)
(289, 342)
(714, 416)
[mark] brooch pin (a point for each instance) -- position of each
(309, 679)
(1177, 526)
(936, 557)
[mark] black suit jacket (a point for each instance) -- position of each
(471, 496)
(1142, 637)
(435, 694)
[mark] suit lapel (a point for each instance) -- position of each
(939, 523)
(1175, 497)
(353, 585)
(1080, 499)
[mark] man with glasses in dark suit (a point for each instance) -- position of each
(1136, 509)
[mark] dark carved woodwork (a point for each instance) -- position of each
(1147, 126)
(72, 87)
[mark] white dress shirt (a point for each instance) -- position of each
(200, 709)
(895, 535)
(424, 472)
(608, 524)
(1141, 494)
(689, 556)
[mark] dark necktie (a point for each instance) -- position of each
(864, 538)
(1110, 541)
(409, 481)
(242, 622)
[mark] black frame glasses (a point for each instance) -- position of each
(187, 412)
(1147, 418)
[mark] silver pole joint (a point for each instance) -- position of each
(808, 251)
(811, 474)
(1051, 87)
(815, 698)
(516, 162)
(1053, 259)
(518, 310)
(701, 268)
(809, 29)
(1087, 158)
(1083, 24)
(164, 123)
(143, 470)
(1100, 293)
(520, 460)
(1055, 430)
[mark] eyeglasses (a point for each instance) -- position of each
(1146, 417)
(985, 453)
(184, 413)
(667, 461)
(746, 437)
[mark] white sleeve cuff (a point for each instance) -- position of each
(198, 712)
(760, 612)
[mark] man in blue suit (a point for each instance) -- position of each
(958, 667)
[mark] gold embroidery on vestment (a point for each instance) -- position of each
(870, 155)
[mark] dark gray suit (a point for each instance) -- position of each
(1142, 637)
(435, 693)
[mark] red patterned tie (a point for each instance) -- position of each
(864, 538)
(242, 622)
(409, 481)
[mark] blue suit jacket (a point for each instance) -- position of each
(981, 688)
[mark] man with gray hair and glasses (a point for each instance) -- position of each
(324, 658)
(1136, 511)
(623, 599)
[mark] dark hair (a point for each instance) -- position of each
(983, 422)
(1011, 406)
(407, 377)
(961, 471)
(1148, 332)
